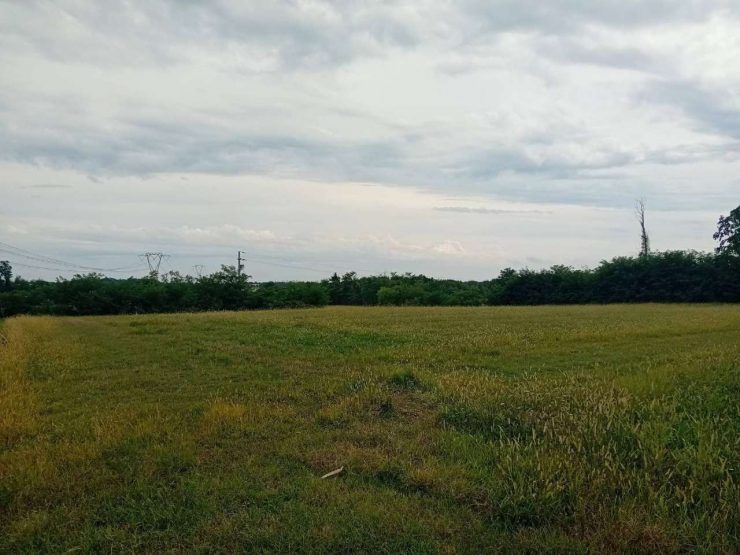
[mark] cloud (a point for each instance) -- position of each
(174, 236)
(392, 246)
(595, 49)
(509, 106)
(46, 186)
(453, 248)
(484, 210)
(149, 147)
(567, 16)
(712, 111)
(263, 36)
(144, 145)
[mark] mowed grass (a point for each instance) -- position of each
(562, 429)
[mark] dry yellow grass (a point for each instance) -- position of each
(18, 404)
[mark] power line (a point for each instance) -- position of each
(291, 266)
(284, 262)
(67, 268)
(153, 262)
(260, 260)
(24, 253)
(38, 258)
(13, 263)
(17, 251)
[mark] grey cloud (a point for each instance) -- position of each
(146, 146)
(713, 111)
(303, 35)
(564, 16)
(580, 50)
(63, 132)
(141, 147)
(296, 35)
(563, 31)
(46, 186)
(686, 154)
(137, 146)
(490, 163)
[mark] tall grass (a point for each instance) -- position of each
(18, 405)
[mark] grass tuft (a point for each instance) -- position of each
(405, 380)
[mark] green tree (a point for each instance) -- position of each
(728, 233)
(6, 274)
(334, 286)
(227, 289)
(350, 288)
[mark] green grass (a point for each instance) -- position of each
(560, 429)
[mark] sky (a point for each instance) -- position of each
(453, 139)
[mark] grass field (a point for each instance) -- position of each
(564, 429)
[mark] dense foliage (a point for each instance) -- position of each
(728, 233)
(96, 294)
(674, 276)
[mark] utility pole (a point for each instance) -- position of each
(239, 265)
(199, 269)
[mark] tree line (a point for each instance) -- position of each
(672, 276)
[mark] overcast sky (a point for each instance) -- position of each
(448, 138)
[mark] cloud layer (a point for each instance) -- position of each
(534, 104)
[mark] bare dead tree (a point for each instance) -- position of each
(644, 239)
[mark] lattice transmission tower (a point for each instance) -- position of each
(154, 260)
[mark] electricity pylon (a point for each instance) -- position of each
(154, 260)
